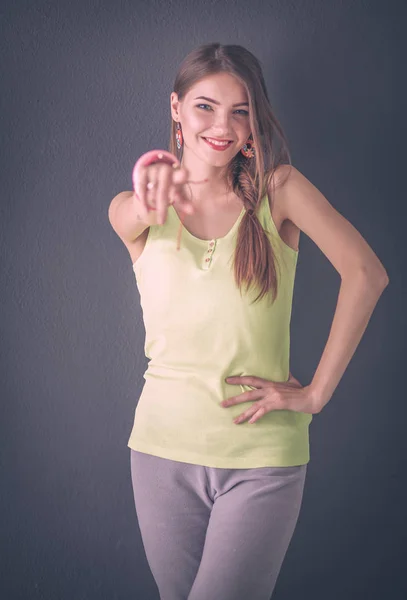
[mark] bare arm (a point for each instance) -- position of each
(358, 296)
(363, 277)
(125, 218)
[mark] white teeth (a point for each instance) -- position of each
(217, 143)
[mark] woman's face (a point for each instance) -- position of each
(220, 119)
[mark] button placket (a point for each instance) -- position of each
(207, 258)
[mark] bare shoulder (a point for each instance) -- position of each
(300, 202)
(132, 234)
(287, 229)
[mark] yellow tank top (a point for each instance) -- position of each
(200, 330)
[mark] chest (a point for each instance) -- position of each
(212, 224)
(217, 224)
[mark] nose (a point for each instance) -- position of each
(221, 125)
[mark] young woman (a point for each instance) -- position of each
(219, 446)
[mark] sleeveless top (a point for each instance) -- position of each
(199, 330)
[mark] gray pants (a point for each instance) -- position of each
(211, 533)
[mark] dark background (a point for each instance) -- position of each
(85, 90)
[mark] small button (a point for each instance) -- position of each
(212, 243)
(206, 259)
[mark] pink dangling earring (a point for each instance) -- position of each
(178, 136)
(179, 139)
(249, 149)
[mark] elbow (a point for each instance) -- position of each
(379, 276)
(375, 276)
(385, 279)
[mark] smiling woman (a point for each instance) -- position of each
(237, 173)
(217, 314)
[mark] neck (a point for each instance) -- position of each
(215, 190)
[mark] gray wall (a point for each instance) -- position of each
(85, 91)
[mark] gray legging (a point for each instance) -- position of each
(211, 533)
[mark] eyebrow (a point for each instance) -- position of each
(216, 102)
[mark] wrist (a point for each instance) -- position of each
(318, 398)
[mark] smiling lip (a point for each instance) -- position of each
(216, 147)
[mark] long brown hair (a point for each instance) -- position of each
(250, 178)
